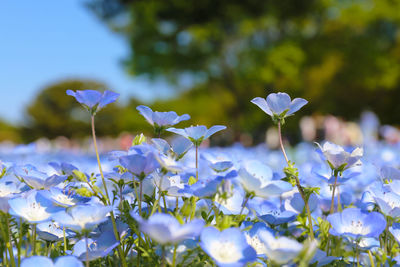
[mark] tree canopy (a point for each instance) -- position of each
(343, 56)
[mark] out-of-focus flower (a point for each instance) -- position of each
(51, 231)
(32, 206)
(161, 120)
(280, 250)
(197, 134)
(355, 223)
(257, 179)
(339, 159)
(43, 261)
(165, 229)
(227, 248)
(97, 247)
(93, 100)
(82, 217)
(139, 165)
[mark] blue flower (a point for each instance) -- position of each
(42, 261)
(257, 179)
(354, 222)
(82, 217)
(165, 229)
(227, 248)
(161, 120)
(280, 250)
(32, 206)
(64, 198)
(253, 236)
(139, 165)
(37, 179)
(271, 214)
(93, 100)
(97, 248)
(51, 231)
(339, 159)
(197, 134)
(279, 105)
(395, 231)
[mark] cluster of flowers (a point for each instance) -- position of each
(179, 204)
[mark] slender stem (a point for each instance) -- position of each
(163, 256)
(244, 205)
(19, 242)
(174, 256)
(176, 204)
(9, 246)
(357, 254)
(87, 251)
(140, 197)
(33, 239)
(333, 196)
(281, 143)
(338, 199)
(65, 241)
(98, 160)
(165, 204)
(371, 260)
(299, 187)
(197, 162)
(155, 204)
(49, 249)
(114, 224)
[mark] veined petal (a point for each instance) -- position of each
(262, 103)
(279, 102)
(296, 104)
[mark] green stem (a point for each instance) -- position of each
(19, 244)
(197, 162)
(174, 256)
(9, 246)
(165, 204)
(33, 239)
(333, 196)
(114, 224)
(140, 197)
(65, 241)
(244, 204)
(357, 254)
(371, 260)
(163, 256)
(299, 187)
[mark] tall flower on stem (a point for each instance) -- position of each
(93, 101)
(197, 134)
(279, 106)
(161, 120)
(339, 160)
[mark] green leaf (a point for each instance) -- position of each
(80, 176)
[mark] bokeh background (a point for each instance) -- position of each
(206, 58)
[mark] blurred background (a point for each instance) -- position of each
(206, 58)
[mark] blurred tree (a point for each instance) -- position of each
(343, 56)
(8, 132)
(53, 113)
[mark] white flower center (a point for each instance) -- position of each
(256, 243)
(356, 227)
(225, 251)
(64, 199)
(36, 212)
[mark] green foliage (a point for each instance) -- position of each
(330, 52)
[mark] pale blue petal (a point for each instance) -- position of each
(262, 103)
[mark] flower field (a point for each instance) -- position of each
(177, 203)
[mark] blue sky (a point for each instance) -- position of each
(45, 41)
